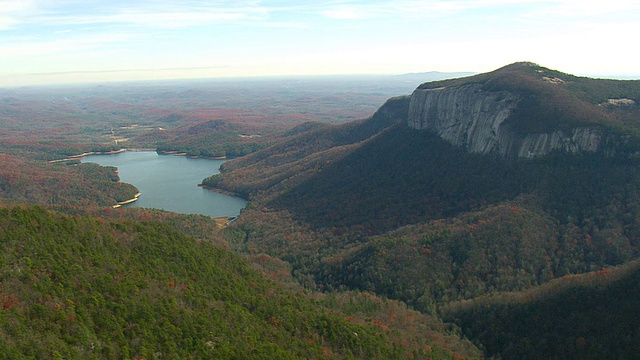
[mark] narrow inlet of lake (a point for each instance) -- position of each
(171, 182)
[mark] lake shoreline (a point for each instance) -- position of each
(119, 151)
(168, 183)
(79, 156)
(221, 191)
(119, 204)
(179, 153)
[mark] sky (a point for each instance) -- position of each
(78, 41)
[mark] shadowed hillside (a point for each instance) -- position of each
(591, 316)
(496, 182)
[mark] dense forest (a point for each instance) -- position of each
(82, 287)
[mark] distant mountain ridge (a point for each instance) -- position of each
(436, 75)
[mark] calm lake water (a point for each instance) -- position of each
(171, 182)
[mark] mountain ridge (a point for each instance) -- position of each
(408, 214)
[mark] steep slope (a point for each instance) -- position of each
(303, 153)
(388, 181)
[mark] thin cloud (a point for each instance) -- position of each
(12, 12)
(284, 24)
(167, 14)
(592, 8)
(8, 22)
(352, 10)
(42, 48)
(346, 13)
(158, 14)
(87, 72)
(147, 19)
(404, 9)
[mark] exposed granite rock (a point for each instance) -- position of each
(578, 140)
(464, 115)
(471, 117)
(619, 103)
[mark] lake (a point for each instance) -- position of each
(171, 182)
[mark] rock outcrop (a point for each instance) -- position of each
(476, 119)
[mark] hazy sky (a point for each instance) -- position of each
(58, 41)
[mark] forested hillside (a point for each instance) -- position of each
(306, 150)
(406, 213)
(36, 182)
(85, 287)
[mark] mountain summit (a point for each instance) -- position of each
(524, 110)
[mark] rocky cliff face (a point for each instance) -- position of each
(474, 118)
